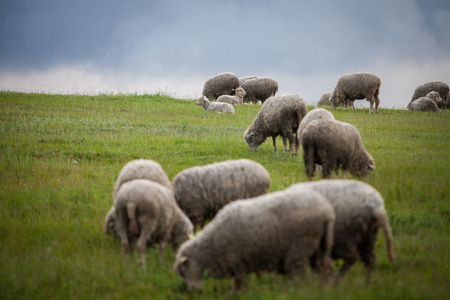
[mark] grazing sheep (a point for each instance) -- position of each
(279, 115)
(357, 86)
(437, 86)
(215, 106)
(281, 232)
(147, 211)
(334, 144)
(201, 191)
(315, 114)
(237, 99)
(243, 79)
(142, 169)
(324, 100)
(136, 169)
(259, 88)
(221, 84)
(431, 103)
(360, 213)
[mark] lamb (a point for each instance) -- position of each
(334, 144)
(238, 99)
(437, 86)
(221, 84)
(146, 210)
(279, 115)
(360, 213)
(431, 103)
(315, 114)
(215, 106)
(136, 169)
(281, 232)
(259, 89)
(357, 86)
(201, 191)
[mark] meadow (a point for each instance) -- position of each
(60, 156)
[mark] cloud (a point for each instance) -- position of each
(111, 46)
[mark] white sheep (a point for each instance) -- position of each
(215, 106)
(360, 213)
(437, 86)
(283, 232)
(136, 169)
(237, 99)
(279, 115)
(147, 211)
(431, 103)
(201, 191)
(357, 86)
(333, 145)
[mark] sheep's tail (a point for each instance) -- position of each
(384, 224)
(133, 227)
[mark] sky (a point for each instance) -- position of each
(173, 47)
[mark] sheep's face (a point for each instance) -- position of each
(253, 140)
(435, 97)
(333, 99)
(240, 92)
(366, 165)
(200, 100)
(191, 272)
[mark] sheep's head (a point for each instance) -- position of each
(201, 100)
(240, 92)
(191, 272)
(366, 165)
(435, 97)
(253, 139)
(334, 99)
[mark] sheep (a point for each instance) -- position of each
(334, 144)
(136, 169)
(315, 114)
(279, 115)
(357, 86)
(324, 100)
(146, 210)
(202, 190)
(142, 169)
(245, 78)
(360, 213)
(215, 106)
(221, 84)
(281, 232)
(431, 103)
(259, 88)
(437, 86)
(237, 99)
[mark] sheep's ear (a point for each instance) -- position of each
(183, 259)
(234, 90)
(191, 235)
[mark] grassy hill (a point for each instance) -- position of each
(60, 156)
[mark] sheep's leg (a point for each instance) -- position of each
(348, 264)
(144, 237)
(353, 105)
(121, 230)
(285, 140)
(297, 144)
(308, 160)
(291, 139)
(327, 163)
(274, 141)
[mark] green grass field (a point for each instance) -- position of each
(60, 156)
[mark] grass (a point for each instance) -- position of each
(60, 155)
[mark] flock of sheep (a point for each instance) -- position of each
(242, 227)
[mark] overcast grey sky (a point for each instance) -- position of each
(173, 47)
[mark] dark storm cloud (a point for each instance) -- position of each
(294, 40)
